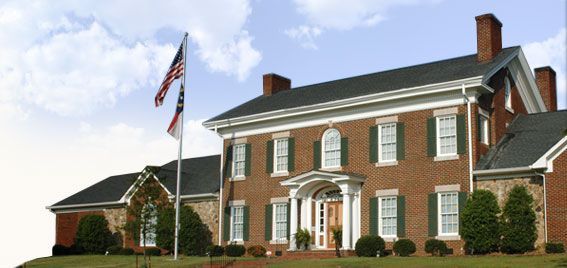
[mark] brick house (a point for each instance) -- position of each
(111, 197)
(393, 153)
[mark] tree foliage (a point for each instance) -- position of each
(480, 226)
(518, 222)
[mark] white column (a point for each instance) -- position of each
(303, 209)
(347, 216)
(355, 218)
(308, 213)
(293, 223)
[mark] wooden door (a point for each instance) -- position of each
(334, 220)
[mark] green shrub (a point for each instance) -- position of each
(153, 252)
(518, 228)
(234, 250)
(215, 250)
(59, 250)
(113, 250)
(369, 246)
(93, 235)
(302, 238)
(127, 251)
(256, 251)
(554, 248)
(435, 247)
(194, 235)
(480, 226)
(404, 247)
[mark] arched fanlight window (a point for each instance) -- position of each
(332, 195)
(331, 148)
(507, 93)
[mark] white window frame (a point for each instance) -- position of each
(507, 93)
(243, 160)
(152, 242)
(275, 222)
(484, 134)
(395, 143)
(324, 150)
(232, 222)
(438, 136)
(380, 217)
(440, 214)
(286, 155)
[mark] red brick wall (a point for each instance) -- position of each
(415, 177)
(66, 226)
(556, 184)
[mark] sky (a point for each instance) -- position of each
(78, 78)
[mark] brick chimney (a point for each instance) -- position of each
(488, 37)
(274, 83)
(546, 83)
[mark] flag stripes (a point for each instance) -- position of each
(175, 71)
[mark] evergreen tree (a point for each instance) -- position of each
(518, 222)
(480, 226)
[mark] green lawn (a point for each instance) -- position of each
(557, 260)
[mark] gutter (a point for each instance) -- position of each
(87, 205)
(221, 177)
(544, 206)
(199, 196)
(502, 171)
(471, 186)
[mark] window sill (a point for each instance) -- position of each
(446, 158)
(509, 109)
(237, 242)
(278, 242)
(389, 238)
(387, 164)
(239, 178)
(331, 169)
(279, 174)
(448, 237)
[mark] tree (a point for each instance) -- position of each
(194, 235)
(93, 235)
(518, 222)
(480, 226)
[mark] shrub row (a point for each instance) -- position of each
(234, 250)
(118, 250)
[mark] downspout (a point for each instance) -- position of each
(469, 126)
(220, 186)
(544, 207)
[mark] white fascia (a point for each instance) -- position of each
(546, 161)
(200, 197)
(141, 179)
(87, 206)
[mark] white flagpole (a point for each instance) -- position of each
(177, 193)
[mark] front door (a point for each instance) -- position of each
(334, 220)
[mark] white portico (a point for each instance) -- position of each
(322, 201)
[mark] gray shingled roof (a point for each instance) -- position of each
(528, 138)
(407, 77)
(200, 176)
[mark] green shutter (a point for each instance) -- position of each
(344, 151)
(373, 136)
(401, 216)
(246, 223)
(268, 222)
(431, 136)
(270, 156)
(226, 224)
(317, 155)
(288, 220)
(400, 142)
(291, 154)
(228, 164)
(248, 159)
(373, 216)
(478, 127)
(462, 203)
(461, 134)
(432, 213)
(488, 132)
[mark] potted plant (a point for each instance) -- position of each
(302, 239)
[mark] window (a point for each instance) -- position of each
(447, 135)
(387, 222)
(448, 213)
(280, 157)
(149, 226)
(280, 221)
(483, 131)
(332, 148)
(507, 93)
(387, 141)
(239, 152)
(236, 223)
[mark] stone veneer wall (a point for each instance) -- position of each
(209, 212)
(116, 218)
(502, 187)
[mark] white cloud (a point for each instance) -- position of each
(345, 15)
(72, 57)
(305, 35)
(551, 52)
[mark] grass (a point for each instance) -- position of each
(556, 260)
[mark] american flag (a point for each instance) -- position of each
(175, 71)
(174, 127)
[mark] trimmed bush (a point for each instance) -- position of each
(369, 246)
(256, 251)
(435, 247)
(153, 252)
(234, 250)
(194, 235)
(518, 228)
(554, 248)
(480, 226)
(59, 250)
(126, 251)
(215, 250)
(93, 235)
(114, 250)
(404, 247)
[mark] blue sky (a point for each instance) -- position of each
(78, 78)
